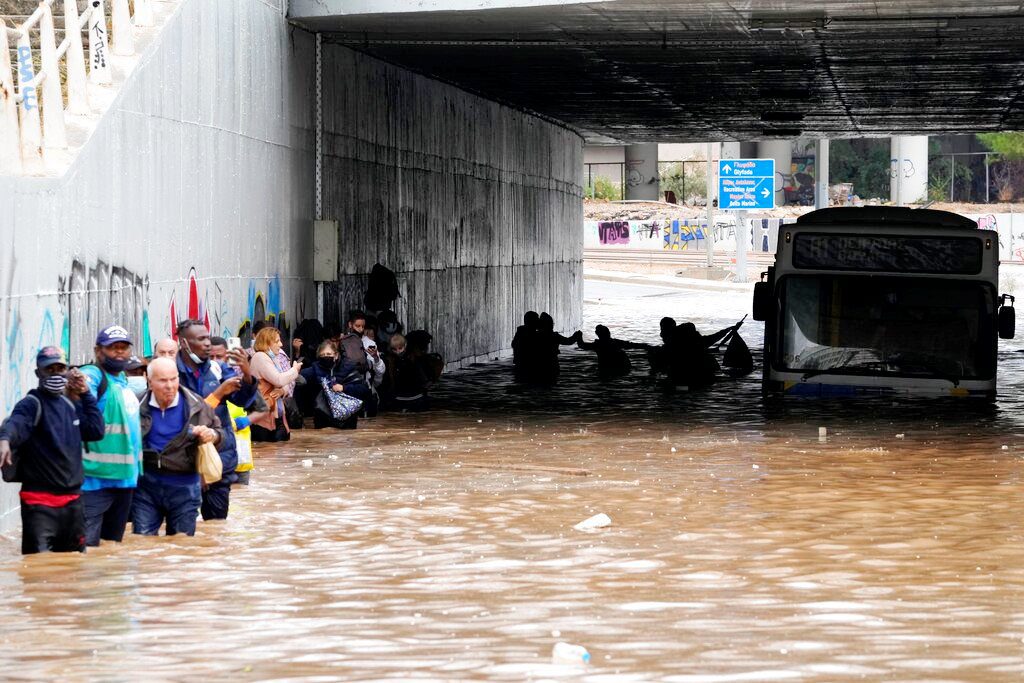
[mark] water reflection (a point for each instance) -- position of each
(441, 545)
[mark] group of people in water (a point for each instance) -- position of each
(684, 358)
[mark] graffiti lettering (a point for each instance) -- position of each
(98, 296)
(25, 74)
(613, 232)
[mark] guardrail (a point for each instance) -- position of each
(32, 115)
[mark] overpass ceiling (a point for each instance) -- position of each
(685, 70)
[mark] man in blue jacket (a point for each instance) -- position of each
(202, 376)
(47, 428)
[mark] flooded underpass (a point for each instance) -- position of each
(742, 546)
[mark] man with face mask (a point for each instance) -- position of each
(112, 464)
(203, 376)
(47, 428)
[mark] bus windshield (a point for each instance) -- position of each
(887, 326)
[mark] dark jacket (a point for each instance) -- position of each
(50, 452)
(178, 456)
(204, 385)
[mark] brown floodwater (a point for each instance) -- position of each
(440, 546)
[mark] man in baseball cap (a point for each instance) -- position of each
(112, 464)
(45, 431)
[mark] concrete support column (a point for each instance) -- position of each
(732, 150)
(782, 152)
(642, 172)
(821, 174)
(908, 169)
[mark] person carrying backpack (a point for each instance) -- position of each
(112, 464)
(42, 439)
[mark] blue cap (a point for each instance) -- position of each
(112, 335)
(50, 355)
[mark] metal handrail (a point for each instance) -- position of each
(24, 132)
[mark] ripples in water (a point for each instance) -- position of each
(440, 546)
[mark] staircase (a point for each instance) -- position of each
(62, 63)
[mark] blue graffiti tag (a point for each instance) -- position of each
(25, 75)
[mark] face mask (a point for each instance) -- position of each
(55, 384)
(325, 363)
(137, 385)
(188, 350)
(114, 365)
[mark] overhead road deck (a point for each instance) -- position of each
(665, 70)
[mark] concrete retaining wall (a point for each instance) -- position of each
(475, 206)
(193, 197)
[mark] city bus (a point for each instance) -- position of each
(883, 300)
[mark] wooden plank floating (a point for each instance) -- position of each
(475, 206)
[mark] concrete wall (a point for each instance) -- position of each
(194, 196)
(475, 206)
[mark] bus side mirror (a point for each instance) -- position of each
(762, 299)
(1007, 318)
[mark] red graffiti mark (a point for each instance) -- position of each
(195, 307)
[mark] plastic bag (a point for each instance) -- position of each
(208, 463)
(342, 405)
(737, 356)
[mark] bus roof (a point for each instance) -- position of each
(887, 216)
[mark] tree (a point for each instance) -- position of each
(864, 162)
(1008, 168)
(1009, 145)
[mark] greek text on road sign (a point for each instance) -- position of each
(746, 184)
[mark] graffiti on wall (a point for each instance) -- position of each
(208, 303)
(613, 232)
(194, 306)
(92, 297)
(680, 234)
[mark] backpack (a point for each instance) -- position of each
(9, 473)
(381, 290)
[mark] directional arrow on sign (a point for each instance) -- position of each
(765, 192)
(727, 169)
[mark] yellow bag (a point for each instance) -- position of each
(208, 463)
(243, 438)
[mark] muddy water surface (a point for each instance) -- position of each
(440, 546)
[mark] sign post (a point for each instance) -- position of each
(746, 184)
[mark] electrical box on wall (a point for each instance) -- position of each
(325, 251)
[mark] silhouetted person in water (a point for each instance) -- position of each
(524, 345)
(612, 360)
(685, 357)
(535, 349)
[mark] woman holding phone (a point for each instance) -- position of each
(273, 426)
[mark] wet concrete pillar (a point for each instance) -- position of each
(642, 172)
(908, 169)
(782, 152)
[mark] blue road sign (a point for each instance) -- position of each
(746, 184)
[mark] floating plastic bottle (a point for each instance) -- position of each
(567, 653)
